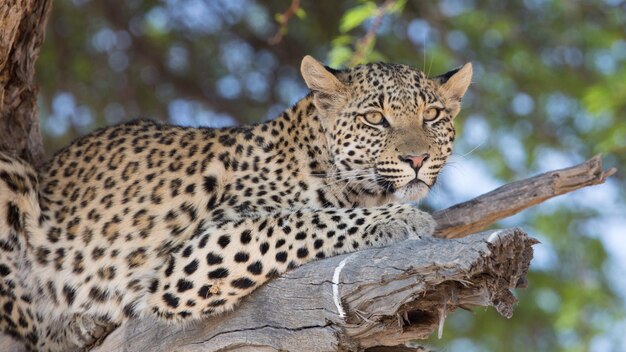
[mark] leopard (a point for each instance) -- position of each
(145, 219)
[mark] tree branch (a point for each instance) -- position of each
(365, 43)
(283, 20)
(387, 296)
(476, 214)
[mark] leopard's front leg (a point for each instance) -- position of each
(213, 271)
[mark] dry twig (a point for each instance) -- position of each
(476, 214)
(366, 41)
(283, 20)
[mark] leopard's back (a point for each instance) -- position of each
(117, 202)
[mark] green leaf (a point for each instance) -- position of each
(366, 51)
(615, 141)
(397, 6)
(343, 39)
(357, 15)
(300, 13)
(597, 100)
(339, 56)
(375, 56)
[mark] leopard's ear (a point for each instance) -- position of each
(453, 85)
(329, 92)
(319, 78)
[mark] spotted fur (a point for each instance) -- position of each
(145, 219)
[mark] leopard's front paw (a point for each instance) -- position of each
(406, 222)
(420, 223)
(84, 330)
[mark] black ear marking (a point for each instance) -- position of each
(335, 72)
(454, 84)
(444, 77)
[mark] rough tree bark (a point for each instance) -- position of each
(365, 300)
(360, 301)
(22, 26)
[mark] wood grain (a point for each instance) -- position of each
(390, 295)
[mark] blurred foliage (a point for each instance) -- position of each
(549, 91)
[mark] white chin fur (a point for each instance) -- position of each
(411, 193)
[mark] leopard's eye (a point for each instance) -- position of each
(431, 114)
(375, 118)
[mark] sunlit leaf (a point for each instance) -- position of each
(375, 56)
(344, 39)
(356, 16)
(300, 13)
(597, 100)
(397, 6)
(339, 56)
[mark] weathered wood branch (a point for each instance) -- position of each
(375, 297)
(476, 214)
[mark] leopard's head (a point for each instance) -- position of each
(389, 127)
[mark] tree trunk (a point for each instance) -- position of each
(22, 27)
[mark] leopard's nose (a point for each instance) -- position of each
(416, 161)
